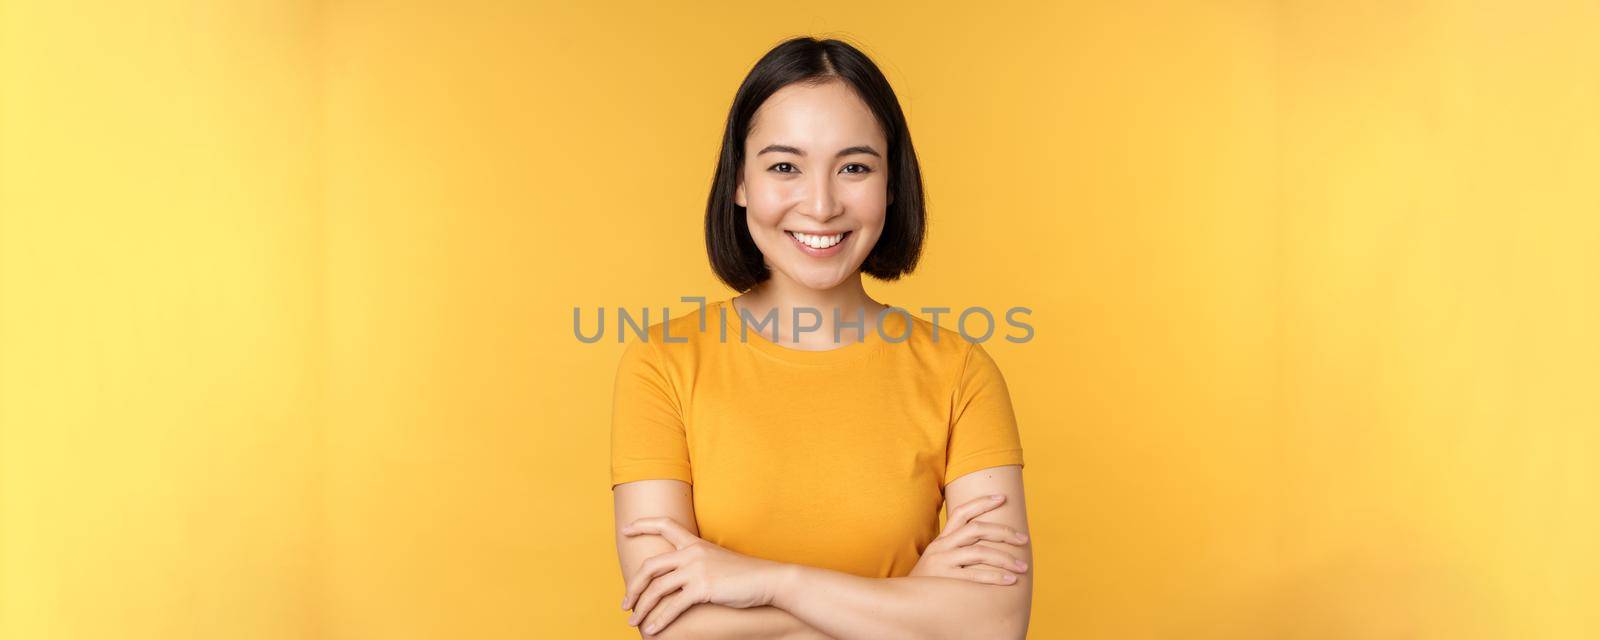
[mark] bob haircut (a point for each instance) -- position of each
(734, 255)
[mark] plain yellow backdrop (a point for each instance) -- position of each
(286, 293)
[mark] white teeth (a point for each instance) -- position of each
(817, 242)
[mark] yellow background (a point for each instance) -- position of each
(286, 293)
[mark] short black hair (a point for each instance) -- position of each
(734, 255)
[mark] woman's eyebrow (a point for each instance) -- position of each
(782, 148)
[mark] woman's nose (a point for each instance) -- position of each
(821, 204)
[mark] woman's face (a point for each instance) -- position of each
(814, 183)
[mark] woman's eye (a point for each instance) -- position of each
(863, 168)
(781, 164)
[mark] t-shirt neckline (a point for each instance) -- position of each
(871, 343)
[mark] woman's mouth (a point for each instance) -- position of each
(819, 245)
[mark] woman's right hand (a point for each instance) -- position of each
(956, 554)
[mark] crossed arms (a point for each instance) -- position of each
(695, 589)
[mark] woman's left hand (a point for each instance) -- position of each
(697, 571)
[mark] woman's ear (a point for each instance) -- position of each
(738, 191)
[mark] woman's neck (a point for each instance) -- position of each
(849, 300)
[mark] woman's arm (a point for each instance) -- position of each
(838, 604)
(849, 607)
(672, 499)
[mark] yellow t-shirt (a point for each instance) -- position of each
(835, 459)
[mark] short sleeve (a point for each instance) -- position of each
(983, 428)
(647, 431)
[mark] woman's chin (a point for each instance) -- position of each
(819, 281)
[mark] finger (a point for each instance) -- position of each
(971, 509)
(664, 527)
(981, 555)
(652, 567)
(988, 576)
(991, 531)
(971, 533)
(659, 588)
(668, 610)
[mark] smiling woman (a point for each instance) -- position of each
(791, 487)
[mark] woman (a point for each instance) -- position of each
(789, 484)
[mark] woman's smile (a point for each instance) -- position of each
(819, 245)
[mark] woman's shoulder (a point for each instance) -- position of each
(672, 334)
(934, 339)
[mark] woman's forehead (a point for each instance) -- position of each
(823, 116)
